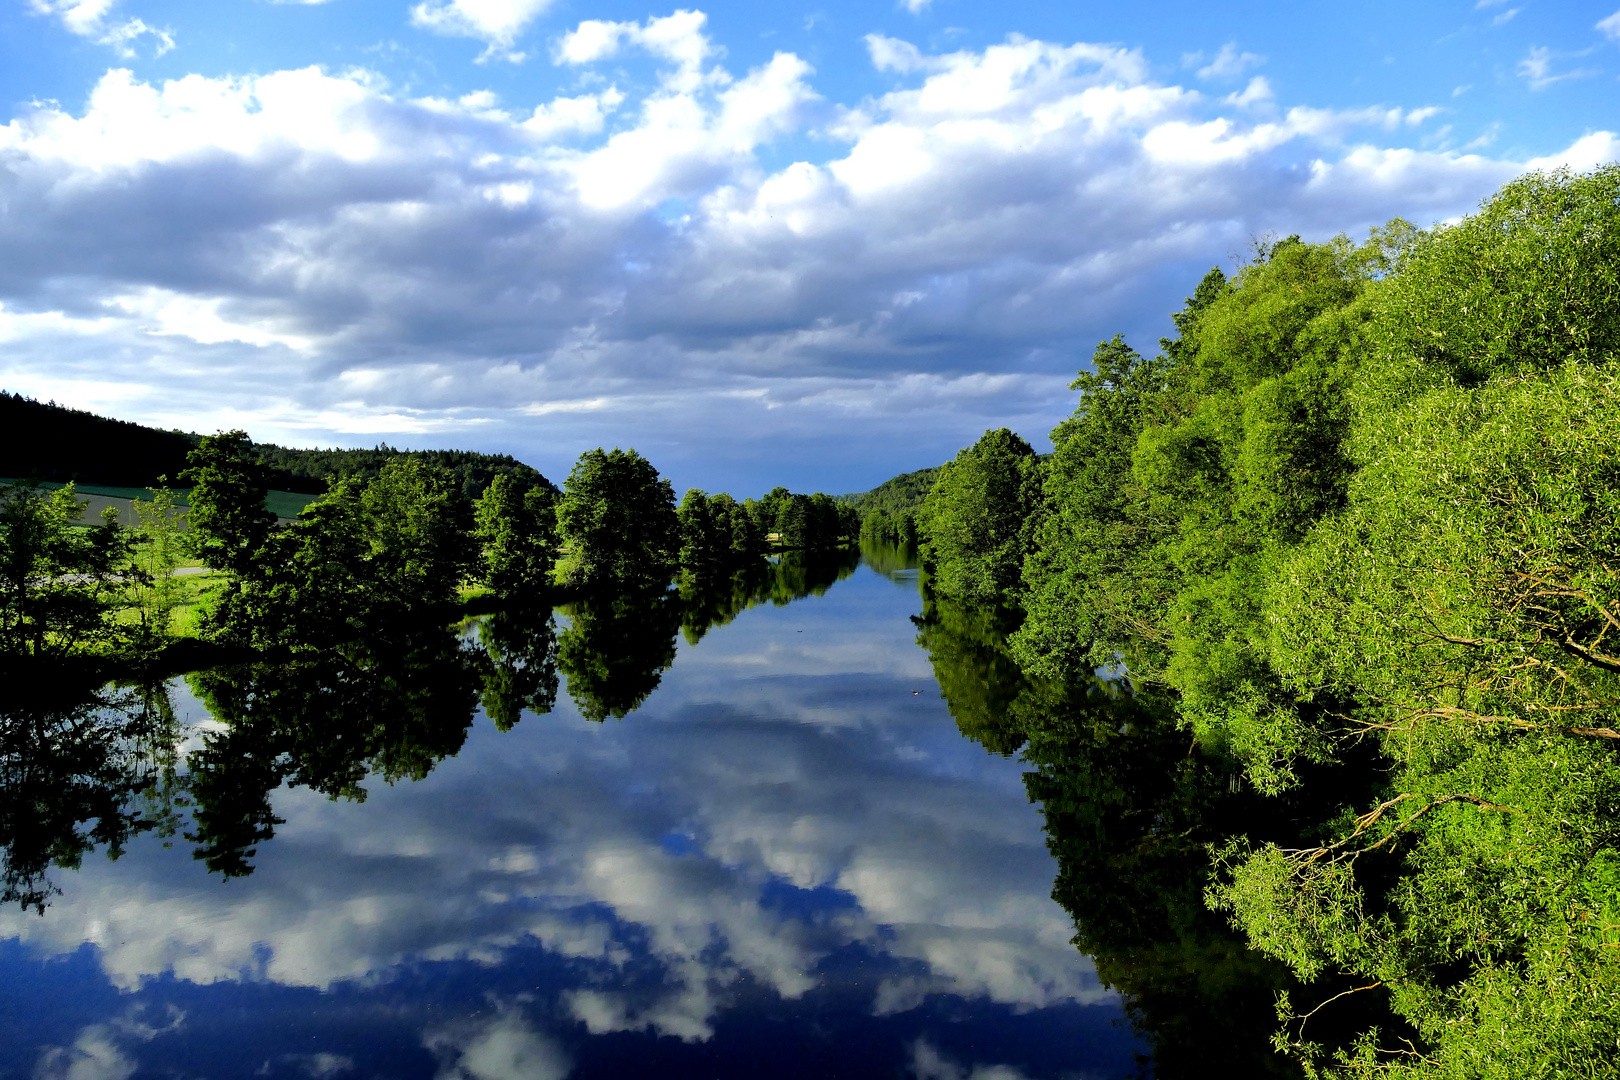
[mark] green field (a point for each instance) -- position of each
(286, 504)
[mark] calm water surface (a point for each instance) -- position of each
(785, 861)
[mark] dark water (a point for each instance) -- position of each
(748, 839)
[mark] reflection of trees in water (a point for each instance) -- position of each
(811, 573)
(708, 601)
(889, 559)
(85, 766)
(616, 649)
(1130, 811)
(80, 768)
(519, 666)
(324, 724)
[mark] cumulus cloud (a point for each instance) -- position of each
(316, 257)
(105, 1051)
(92, 19)
(495, 22)
(503, 1048)
(928, 1063)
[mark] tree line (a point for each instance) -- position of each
(43, 440)
(1355, 527)
(372, 554)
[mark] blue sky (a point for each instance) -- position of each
(815, 244)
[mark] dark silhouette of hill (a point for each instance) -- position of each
(46, 441)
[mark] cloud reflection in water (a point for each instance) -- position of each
(783, 829)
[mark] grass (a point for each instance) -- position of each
(284, 504)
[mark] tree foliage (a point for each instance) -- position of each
(617, 523)
(1356, 520)
(980, 519)
(60, 585)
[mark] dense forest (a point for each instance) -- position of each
(47, 441)
(888, 511)
(1353, 532)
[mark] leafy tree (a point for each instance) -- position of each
(228, 529)
(1356, 521)
(518, 533)
(617, 523)
(980, 519)
(418, 526)
(159, 546)
(368, 559)
(60, 586)
(227, 517)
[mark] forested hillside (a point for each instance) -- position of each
(1358, 523)
(312, 469)
(888, 511)
(47, 441)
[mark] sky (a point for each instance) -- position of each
(814, 244)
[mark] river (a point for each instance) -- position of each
(746, 848)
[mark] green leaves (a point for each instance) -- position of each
(60, 585)
(1362, 517)
(980, 520)
(617, 523)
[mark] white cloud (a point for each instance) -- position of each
(90, 18)
(1258, 92)
(103, 1051)
(323, 257)
(497, 23)
(927, 1063)
(1610, 26)
(504, 1048)
(916, 7)
(1229, 63)
(678, 38)
(1537, 68)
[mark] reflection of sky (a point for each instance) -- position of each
(786, 860)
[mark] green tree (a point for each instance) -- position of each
(418, 534)
(228, 530)
(159, 547)
(368, 559)
(979, 521)
(517, 530)
(617, 524)
(227, 518)
(60, 586)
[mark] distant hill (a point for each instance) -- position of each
(894, 496)
(315, 467)
(47, 441)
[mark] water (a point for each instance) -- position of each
(761, 848)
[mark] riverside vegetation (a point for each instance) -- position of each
(1348, 547)
(359, 640)
(1303, 630)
